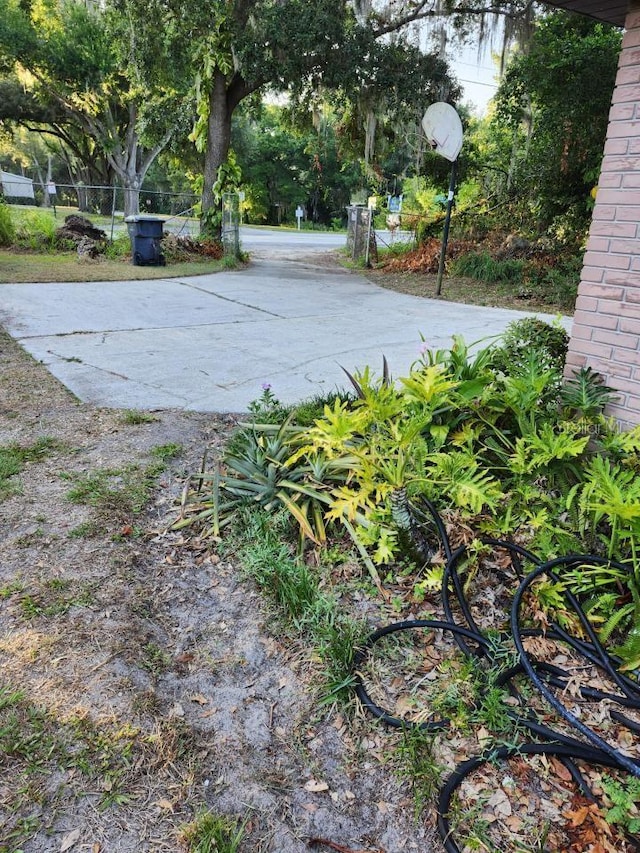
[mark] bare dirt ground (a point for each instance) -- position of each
(140, 678)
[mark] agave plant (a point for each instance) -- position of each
(259, 472)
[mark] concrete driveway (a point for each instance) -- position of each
(209, 343)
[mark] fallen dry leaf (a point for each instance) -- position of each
(315, 786)
(560, 770)
(69, 840)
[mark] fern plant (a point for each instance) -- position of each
(585, 394)
(625, 798)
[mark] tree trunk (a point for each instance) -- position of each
(217, 150)
(131, 186)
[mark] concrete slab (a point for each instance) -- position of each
(209, 343)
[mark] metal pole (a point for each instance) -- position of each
(447, 221)
(113, 210)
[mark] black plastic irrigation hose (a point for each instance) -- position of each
(545, 677)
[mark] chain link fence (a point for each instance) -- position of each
(180, 210)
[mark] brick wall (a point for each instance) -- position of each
(606, 327)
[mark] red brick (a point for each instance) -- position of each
(595, 274)
(591, 348)
(619, 309)
(610, 180)
(623, 162)
(616, 339)
(630, 180)
(624, 279)
(634, 145)
(586, 303)
(633, 408)
(630, 56)
(626, 93)
(581, 331)
(573, 361)
(601, 291)
(627, 386)
(626, 356)
(624, 417)
(604, 211)
(632, 294)
(607, 260)
(614, 196)
(628, 74)
(615, 278)
(632, 20)
(622, 112)
(627, 213)
(613, 229)
(622, 247)
(630, 326)
(601, 244)
(631, 37)
(615, 147)
(609, 369)
(595, 320)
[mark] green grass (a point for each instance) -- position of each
(482, 266)
(119, 491)
(14, 457)
(303, 599)
(37, 746)
(164, 452)
(416, 765)
(55, 597)
(211, 833)
(17, 267)
(133, 418)
(154, 659)
(118, 494)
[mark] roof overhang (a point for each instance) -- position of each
(610, 11)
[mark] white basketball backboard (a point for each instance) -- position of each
(443, 128)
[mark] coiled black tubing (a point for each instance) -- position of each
(550, 681)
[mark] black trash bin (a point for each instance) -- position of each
(146, 233)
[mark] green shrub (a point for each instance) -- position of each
(558, 284)
(7, 230)
(531, 334)
(482, 266)
(118, 248)
(36, 230)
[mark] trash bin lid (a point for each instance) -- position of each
(142, 218)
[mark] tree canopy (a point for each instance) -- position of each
(97, 71)
(554, 99)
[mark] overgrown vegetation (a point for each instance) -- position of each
(504, 448)
(491, 434)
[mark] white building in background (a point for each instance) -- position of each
(16, 186)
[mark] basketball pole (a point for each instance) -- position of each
(447, 222)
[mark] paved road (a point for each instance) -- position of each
(208, 343)
(284, 244)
